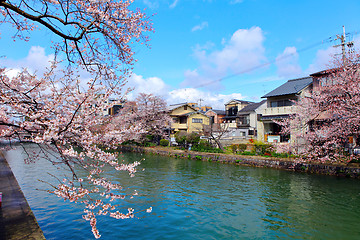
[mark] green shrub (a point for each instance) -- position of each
(248, 153)
(238, 148)
(193, 138)
(242, 147)
(180, 138)
(164, 142)
(280, 155)
(234, 148)
(261, 148)
(205, 146)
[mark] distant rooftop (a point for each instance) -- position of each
(238, 100)
(251, 107)
(174, 106)
(218, 112)
(290, 87)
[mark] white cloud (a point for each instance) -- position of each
(152, 85)
(151, 4)
(157, 86)
(323, 60)
(200, 27)
(236, 1)
(287, 63)
(173, 5)
(36, 61)
(326, 58)
(216, 101)
(242, 52)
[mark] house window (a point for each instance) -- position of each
(183, 120)
(281, 103)
(185, 107)
(232, 111)
(244, 120)
(197, 120)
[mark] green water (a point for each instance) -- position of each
(204, 200)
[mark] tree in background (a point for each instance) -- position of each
(216, 132)
(58, 110)
(326, 125)
(149, 112)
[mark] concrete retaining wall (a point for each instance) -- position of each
(341, 170)
(17, 221)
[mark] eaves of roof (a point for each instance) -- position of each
(290, 87)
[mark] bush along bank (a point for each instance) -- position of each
(290, 164)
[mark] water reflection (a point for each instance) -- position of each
(202, 200)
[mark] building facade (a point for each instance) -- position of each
(279, 106)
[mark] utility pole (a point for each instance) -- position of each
(200, 100)
(343, 44)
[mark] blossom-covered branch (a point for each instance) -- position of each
(96, 35)
(326, 125)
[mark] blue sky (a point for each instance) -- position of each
(201, 41)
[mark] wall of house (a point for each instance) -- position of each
(265, 128)
(197, 126)
(212, 114)
(239, 105)
(217, 118)
(177, 125)
(181, 110)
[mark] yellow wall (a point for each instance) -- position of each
(197, 127)
(181, 110)
(189, 126)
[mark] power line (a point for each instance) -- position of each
(327, 40)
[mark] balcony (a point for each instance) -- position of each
(243, 124)
(278, 110)
(228, 125)
(178, 126)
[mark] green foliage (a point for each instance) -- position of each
(193, 138)
(238, 148)
(248, 153)
(233, 148)
(180, 138)
(261, 148)
(205, 146)
(198, 157)
(164, 142)
(149, 138)
(280, 155)
(242, 147)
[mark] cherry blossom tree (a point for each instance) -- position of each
(61, 112)
(152, 112)
(148, 111)
(94, 34)
(326, 125)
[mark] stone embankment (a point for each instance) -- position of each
(341, 170)
(17, 221)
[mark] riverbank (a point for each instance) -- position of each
(340, 170)
(17, 221)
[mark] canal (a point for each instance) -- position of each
(202, 200)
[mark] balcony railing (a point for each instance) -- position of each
(228, 125)
(179, 125)
(278, 110)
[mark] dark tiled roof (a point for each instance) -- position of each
(251, 107)
(290, 87)
(218, 112)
